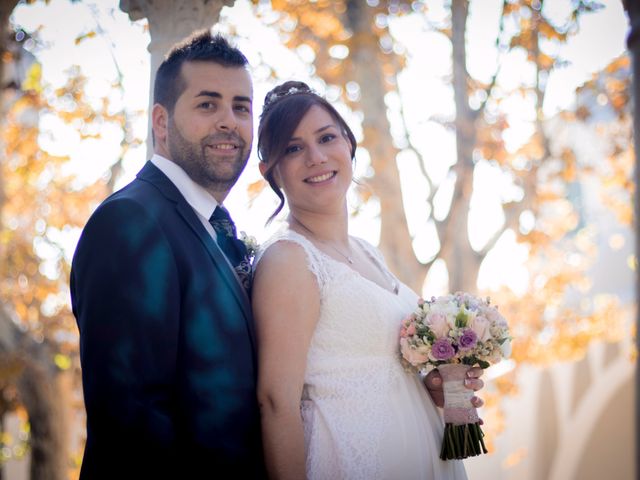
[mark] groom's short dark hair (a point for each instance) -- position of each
(201, 46)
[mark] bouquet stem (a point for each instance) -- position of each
(463, 436)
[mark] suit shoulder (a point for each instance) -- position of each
(133, 201)
(124, 222)
(120, 208)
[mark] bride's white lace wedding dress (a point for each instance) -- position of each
(364, 417)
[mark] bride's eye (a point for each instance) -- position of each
(292, 149)
(327, 138)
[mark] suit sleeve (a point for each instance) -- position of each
(126, 296)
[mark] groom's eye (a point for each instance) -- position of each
(243, 108)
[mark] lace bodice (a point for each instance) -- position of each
(358, 404)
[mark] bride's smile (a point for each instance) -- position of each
(321, 178)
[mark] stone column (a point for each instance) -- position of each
(633, 42)
(169, 22)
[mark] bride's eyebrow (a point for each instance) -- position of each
(320, 130)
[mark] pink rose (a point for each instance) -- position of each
(438, 324)
(495, 317)
(411, 354)
(480, 325)
(411, 330)
(408, 320)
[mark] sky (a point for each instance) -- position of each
(122, 45)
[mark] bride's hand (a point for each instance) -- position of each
(433, 382)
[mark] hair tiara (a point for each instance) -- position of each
(283, 91)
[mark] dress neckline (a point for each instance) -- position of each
(378, 264)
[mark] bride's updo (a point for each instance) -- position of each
(283, 110)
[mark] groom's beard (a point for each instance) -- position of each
(212, 171)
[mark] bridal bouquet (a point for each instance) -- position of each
(454, 333)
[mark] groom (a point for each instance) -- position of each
(159, 288)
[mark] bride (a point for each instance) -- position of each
(334, 398)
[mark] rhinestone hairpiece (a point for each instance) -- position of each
(273, 97)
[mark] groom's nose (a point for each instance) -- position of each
(226, 120)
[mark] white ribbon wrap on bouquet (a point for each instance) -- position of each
(458, 409)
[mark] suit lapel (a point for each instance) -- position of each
(154, 175)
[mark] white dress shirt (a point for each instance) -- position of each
(202, 202)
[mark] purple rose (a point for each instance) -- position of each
(468, 339)
(442, 349)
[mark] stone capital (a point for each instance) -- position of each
(170, 21)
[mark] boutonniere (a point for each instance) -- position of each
(250, 243)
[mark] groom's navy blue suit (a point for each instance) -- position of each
(167, 342)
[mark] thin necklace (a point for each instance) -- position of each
(346, 257)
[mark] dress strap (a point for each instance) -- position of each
(376, 255)
(315, 262)
(371, 251)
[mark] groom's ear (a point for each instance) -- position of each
(159, 123)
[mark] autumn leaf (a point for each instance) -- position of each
(255, 188)
(33, 78)
(81, 38)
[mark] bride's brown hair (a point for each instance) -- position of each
(284, 107)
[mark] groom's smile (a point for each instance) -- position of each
(223, 144)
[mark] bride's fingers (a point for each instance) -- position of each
(474, 384)
(473, 381)
(475, 372)
(477, 402)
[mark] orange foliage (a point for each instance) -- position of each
(323, 24)
(41, 210)
(41, 205)
(611, 90)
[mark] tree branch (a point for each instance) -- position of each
(489, 89)
(413, 148)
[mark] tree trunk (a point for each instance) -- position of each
(395, 241)
(40, 392)
(463, 263)
(27, 364)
